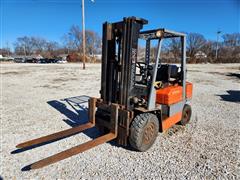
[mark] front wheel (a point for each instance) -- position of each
(143, 131)
(186, 115)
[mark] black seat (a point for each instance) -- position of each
(166, 71)
(162, 73)
(173, 71)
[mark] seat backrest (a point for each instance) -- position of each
(166, 71)
(162, 73)
(173, 71)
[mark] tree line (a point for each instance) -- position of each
(71, 44)
(199, 49)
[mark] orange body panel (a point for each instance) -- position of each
(189, 87)
(170, 121)
(172, 94)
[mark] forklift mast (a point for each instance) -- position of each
(119, 60)
(119, 56)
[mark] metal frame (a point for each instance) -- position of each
(161, 34)
(152, 94)
(183, 65)
(118, 72)
(151, 34)
(119, 56)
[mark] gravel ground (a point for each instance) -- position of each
(37, 101)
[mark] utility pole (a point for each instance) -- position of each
(83, 33)
(218, 32)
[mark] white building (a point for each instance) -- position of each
(98, 57)
(200, 55)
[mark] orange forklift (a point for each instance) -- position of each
(138, 99)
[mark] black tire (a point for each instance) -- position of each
(143, 131)
(186, 115)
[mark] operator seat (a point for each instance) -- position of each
(167, 71)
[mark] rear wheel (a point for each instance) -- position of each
(186, 114)
(143, 131)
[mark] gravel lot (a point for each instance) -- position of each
(37, 101)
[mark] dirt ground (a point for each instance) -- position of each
(38, 99)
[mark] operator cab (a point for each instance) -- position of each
(151, 74)
(166, 73)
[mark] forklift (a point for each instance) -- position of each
(138, 99)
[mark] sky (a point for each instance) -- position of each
(51, 19)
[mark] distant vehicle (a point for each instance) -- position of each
(20, 60)
(46, 60)
(8, 58)
(61, 61)
(31, 60)
(52, 60)
(42, 61)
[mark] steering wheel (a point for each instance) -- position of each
(141, 66)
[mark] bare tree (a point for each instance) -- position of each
(68, 44)
(231, 40)
(51, 49)
(38, 44)
(230, 50)
(23, 46)
(175, 47)
(73, 41)
(209, 48)
(75, 37)
(93, 42)
(195, 42)
(5, 51)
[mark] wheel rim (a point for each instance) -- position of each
(149, 132)
(186, 115)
